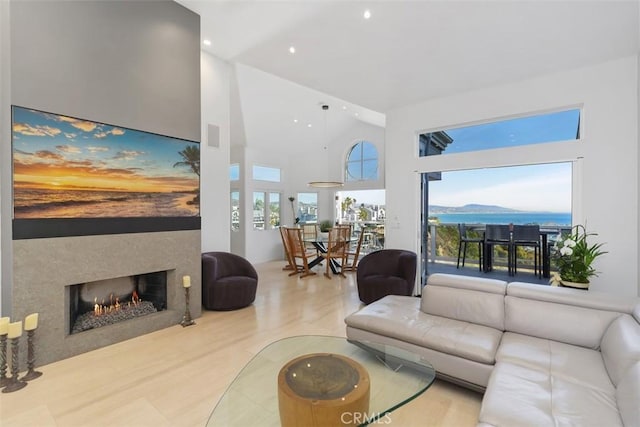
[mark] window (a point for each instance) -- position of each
(258, 210)
(362, 162)
(307, 207)
(234, 172)
(266, 205)
(530, 194)
(235, 211)
(550, 127)
(274, 210)
(263, 173)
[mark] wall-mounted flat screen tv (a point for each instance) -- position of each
(73, 176)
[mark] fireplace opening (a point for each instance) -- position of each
(106, 302)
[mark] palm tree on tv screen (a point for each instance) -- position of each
(191, 158)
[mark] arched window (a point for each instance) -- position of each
(362, 162)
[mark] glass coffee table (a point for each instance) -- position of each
(396, 376)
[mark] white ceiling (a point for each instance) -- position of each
(410, 51)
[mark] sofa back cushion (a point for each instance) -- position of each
(620, 346)
(566, 315)
(469, 299)
(628, 396)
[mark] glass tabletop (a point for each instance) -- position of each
(396, 377)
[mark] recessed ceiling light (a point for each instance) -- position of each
(206, 42)
(295, 120)
(292, 49)
(308, 125)
(367, 14)
(344, 107)
(357, 114)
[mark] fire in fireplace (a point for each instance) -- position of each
(105, 302)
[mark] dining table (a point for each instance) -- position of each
(321, 244)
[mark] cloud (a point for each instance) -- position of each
(95, 149)
(70, 135)
(46, 154)
(27, 129)
(127, 154)
(68, 149)
(83, 125)
(114, 132)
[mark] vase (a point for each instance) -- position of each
(575, 285)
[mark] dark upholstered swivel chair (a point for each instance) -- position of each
(386, 272)
(229, 281)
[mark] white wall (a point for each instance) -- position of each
(215, 203)
(606, 180)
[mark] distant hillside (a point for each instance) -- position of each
(471, 208)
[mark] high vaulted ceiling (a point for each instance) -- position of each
(409, 51)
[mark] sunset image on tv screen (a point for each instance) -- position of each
(64, 167)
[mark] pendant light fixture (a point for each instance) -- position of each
(325, 184)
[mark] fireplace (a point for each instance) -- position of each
(106, 302)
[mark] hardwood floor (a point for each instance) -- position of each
(175, 376)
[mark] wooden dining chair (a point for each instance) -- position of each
(291, 264)
(310, 232)
(353, 265)
(336, 250)
(299, 252)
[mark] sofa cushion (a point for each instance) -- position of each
(628, 396)
(470, 299)
(620, 346)
(559, 322)
(519, 395)
(569, 362)
(400, 317)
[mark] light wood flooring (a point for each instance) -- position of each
(175, 376)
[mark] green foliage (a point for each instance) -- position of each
(574, 256)
(325, 225)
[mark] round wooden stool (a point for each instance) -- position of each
(322, 389)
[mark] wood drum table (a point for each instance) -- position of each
(355, 383)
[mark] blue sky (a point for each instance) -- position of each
(531, 188)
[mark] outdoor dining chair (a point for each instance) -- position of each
(527, 236)
(497, 235)
(465, 239)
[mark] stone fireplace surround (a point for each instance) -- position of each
(43, 269)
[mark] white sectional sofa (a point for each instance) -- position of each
(543, 356)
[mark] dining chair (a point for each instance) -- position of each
(336, 251)
(463, 240)
(310, 232)
(291, 264)
(497, 235)
(353, 265)
(527, 236)
(298, 251)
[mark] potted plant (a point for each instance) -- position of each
(325, 225)
(574, 257)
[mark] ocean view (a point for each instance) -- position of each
(541, 218)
